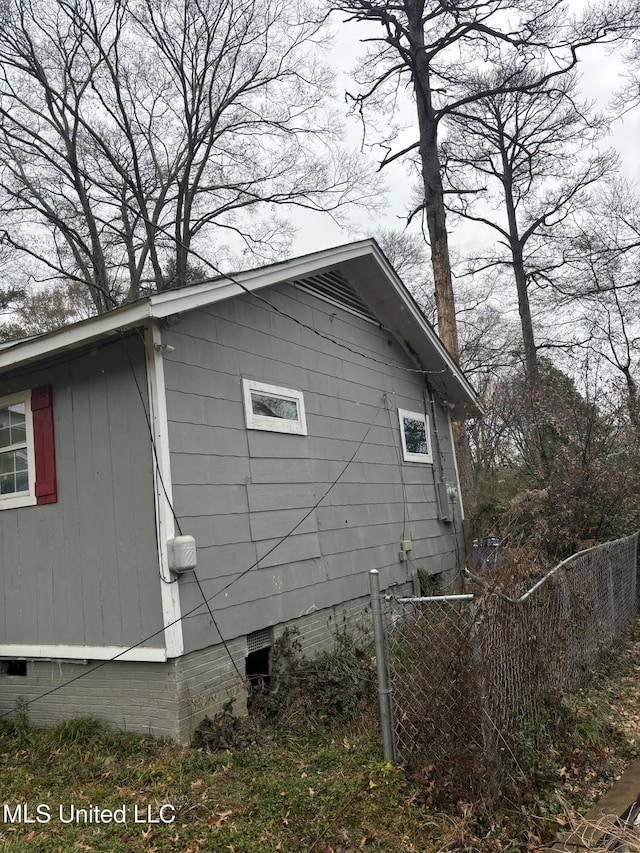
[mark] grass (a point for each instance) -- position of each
(315, 788)
(301, 791)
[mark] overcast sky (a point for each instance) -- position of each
(600, 78)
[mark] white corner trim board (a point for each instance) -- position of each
(140, 653)
(169, 592)
(455, 465)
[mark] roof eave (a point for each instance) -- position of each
(363, 264)
(402, 316)
(32, 350)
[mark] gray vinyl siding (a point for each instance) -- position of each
(239, 491)
(84, 571)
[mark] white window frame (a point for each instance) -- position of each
(11, 501)
(424, 458)
(264, 422)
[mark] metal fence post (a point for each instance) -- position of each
(488, 736)
(384, 697)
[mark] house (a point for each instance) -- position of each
(288, 427)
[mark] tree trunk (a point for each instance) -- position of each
(532, 373)
(437, 227)
(633, 401)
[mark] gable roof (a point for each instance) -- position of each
(374, 288)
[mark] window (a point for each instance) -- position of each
(27, 464)
(270, 407)
(17, 464)
(414, 432)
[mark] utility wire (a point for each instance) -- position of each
(157, 469)
(206, 601)
(161, 229)
(158, 473)
(330, 338)
(215, 624)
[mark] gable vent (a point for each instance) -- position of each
(333, 287)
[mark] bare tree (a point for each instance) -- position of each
(514, 162)
(129, 128)
(600, 285)
(488, 338)
(628, 97)
(430, 46)
(36, 311)
(434, 48)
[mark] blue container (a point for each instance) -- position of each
(486, 553)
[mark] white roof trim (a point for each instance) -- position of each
(362, 263)
(70, 337)
(175, 301)
(19, 651)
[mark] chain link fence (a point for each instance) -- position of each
(471, 677)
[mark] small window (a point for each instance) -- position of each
(270, 407)
(17, 463)
(27, 453)
(416, 440)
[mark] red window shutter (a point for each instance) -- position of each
(45, 459)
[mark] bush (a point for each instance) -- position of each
(18, 728)
(332, 685)
(224, 730)
(562, 471)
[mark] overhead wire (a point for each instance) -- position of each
(324, 336)
(215, 624)
(161, 229)
(158, 472)
(209, 599)
(206, 601)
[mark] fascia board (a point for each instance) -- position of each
(365, 266)
(378, 285)
(70, 337)
(424, 326)
(175, 302)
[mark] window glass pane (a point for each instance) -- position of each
(5, 436)
(274, 407)
(415, 435)
(18, 434)
(14, 472)
(7, 484)
(16, 413)
(6, 463)
(22, 481)
(12, 425)
(21, 460)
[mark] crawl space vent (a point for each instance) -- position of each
(259, 640)
(334, 287)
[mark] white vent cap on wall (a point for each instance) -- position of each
(182, 554)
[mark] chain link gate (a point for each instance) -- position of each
(471, 676)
